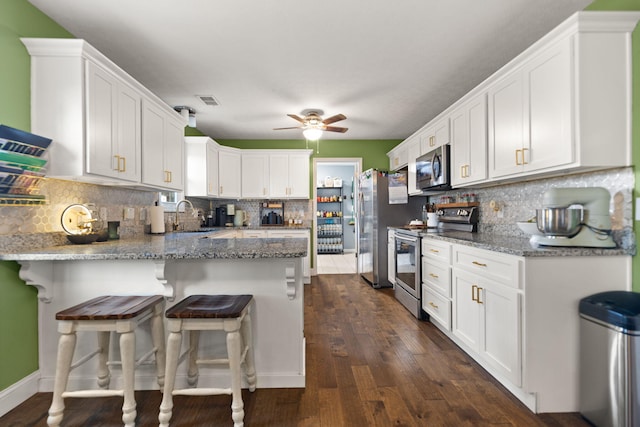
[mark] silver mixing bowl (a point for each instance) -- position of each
(559, 221)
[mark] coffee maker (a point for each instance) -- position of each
(221, 216)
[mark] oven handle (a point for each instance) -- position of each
(408, 239)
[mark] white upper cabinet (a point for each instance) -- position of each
(289, 174)
(561, 106)
(469, 142)
(530, 115)
(162, 148)
(201, 172)
(113, 126)
(229, 172)
(94, 112)
(398, 157)
(255, 174)
(434, 135)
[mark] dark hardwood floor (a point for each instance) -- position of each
(369, 363)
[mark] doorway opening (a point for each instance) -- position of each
(335, 222)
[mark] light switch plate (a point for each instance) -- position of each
(129, 213)
(143, 214)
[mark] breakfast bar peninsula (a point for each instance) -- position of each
(177, 265)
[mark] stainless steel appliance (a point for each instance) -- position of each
(458, 217)
(408, 275)
(374, 215)
(433, 169)
(587, 226)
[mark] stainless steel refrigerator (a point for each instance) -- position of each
(374, 215)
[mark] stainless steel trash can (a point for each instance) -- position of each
(610, 358)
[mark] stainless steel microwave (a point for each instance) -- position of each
(433, 169)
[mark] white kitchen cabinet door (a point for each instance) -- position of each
(435, 135)
(162, 149)
(398, 157)
(466, 311)
(229, 173)
(278, 175)
(201, 172)
(507, 126)
(487, 319)
(299, 176)
(501, 330)
(113, 126)
(549, 78)
(469, 142)
(255, 175)
(531, 124)
(289, 176)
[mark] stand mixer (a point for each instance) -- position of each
(592, 229)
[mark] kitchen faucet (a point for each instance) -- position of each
(176, 223)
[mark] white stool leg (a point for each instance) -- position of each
(128, 356)
(104, 376)
(157, 336)
(193, 371)
(66, 347)
(174, 342)
(235, 353)
(249, 362)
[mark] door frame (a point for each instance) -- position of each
(357, 164)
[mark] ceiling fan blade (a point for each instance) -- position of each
(334, 119)
(295, 117)
(296, 127)
(335, 129)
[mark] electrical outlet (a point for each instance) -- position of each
(143, 214)
(129, 213)
(637, 208)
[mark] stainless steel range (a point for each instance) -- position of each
(408, 279)
(407, 251)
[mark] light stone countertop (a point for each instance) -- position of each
(171, 246)
(515, 245)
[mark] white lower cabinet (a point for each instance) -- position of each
(288, 234)
(436, 281)
(486, 318)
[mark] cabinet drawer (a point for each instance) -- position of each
(436, 250)
(437, 306)
(502, 268)
(437, 275)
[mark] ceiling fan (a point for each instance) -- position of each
(313, 124)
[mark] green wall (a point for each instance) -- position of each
(373, 152)
(631, 5)
(19, 304)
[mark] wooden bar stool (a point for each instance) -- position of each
(229, 313)
(106, 314)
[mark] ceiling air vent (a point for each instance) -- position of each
(209, 100)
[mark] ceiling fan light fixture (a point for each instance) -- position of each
(312, 134)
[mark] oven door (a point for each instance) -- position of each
(407, 257)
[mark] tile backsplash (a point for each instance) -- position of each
(517, 202)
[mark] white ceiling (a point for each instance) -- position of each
(389, 66)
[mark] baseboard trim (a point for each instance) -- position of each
(17, 393)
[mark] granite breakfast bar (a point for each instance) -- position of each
(176, 265)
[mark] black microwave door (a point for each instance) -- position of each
(436, 167)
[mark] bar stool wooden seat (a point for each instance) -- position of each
(228, 313)
(106, 314)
